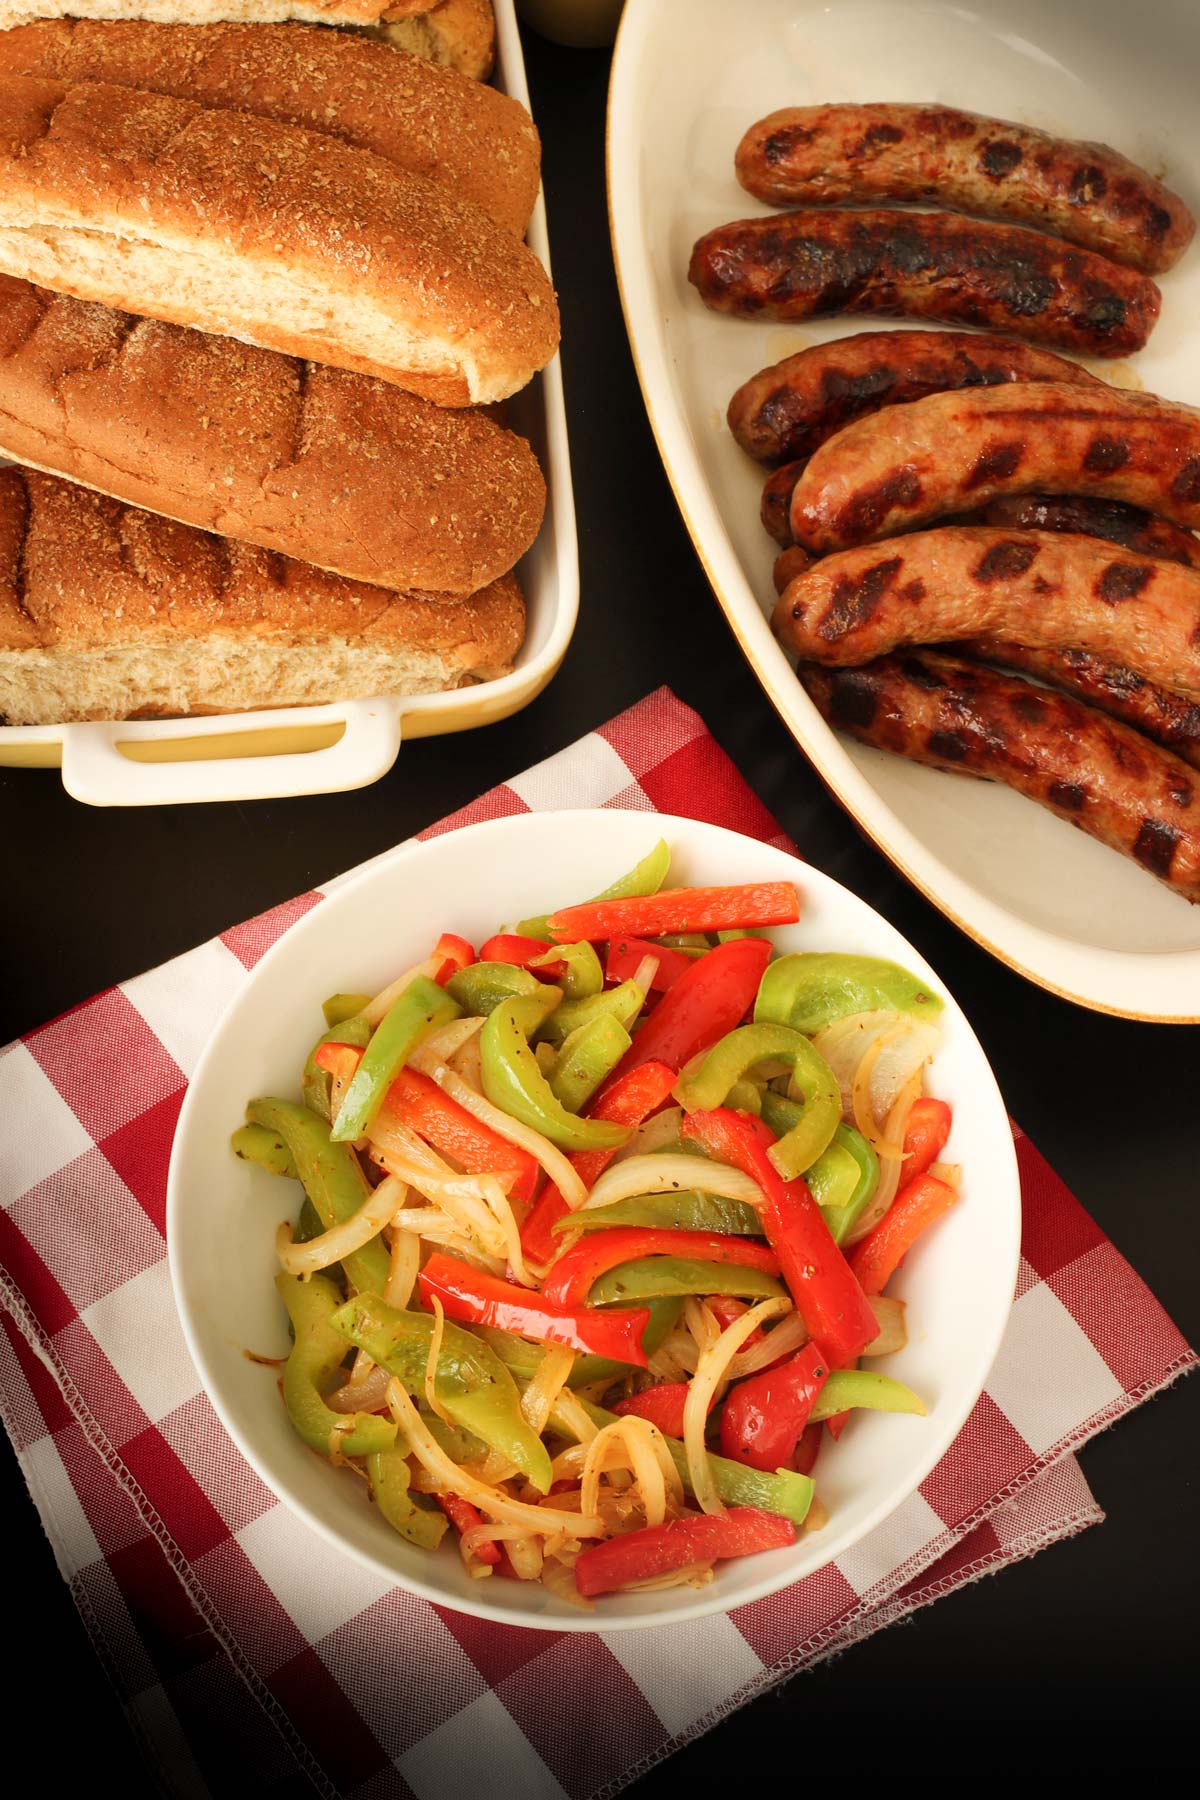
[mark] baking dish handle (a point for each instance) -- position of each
(218, 758)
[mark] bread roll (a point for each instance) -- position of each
(111, 613)
(264, 231)
(318, 463)
(458, 33)
(431, 121)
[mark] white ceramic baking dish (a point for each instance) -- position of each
(688, 78)
(326, 749)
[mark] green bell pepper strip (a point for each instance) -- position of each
(315, 1083)
(686, 1210)
(623, 1003)
(390, 1476)
(587, 1058)
(340, 1007)
(333, 1180)
(645, 877)
(253, 1143)
(316, 1357)
(584, 974)
(728, 1062)
(863, 1387)
(727, 937)
(843, 1201)
(743, 1096)
(512, 1080)
(308, 1226)
(481, 986)
(471, 1382)
(737, 1483)
(461, 1446)
(422, 1006)
(632, 1282)
(810, 990)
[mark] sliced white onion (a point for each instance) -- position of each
(891, 1160)
(403, 1264)
(361, 1396)
(909, 1046)
(790, 1334)
(663, 1173)
(660, 1129)
(893, 1331)
(342, 1239)
(537, 1402)
(950, 1173)
(447, 1040)
(712, 1368)
(455, 1480)
(647, 969)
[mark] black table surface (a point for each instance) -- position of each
(1093, 1640)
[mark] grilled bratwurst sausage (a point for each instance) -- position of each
(955, 452)
(788, 410)
(1087, 193)
(966, 581)
(1155, 711)
(928, 265)
(1114, 520)
(1090, 770)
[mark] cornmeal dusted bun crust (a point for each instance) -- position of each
(264, 231)
(107, 612)
(321, 464)
(460, 34)
(431, 121)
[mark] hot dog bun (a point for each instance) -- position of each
(430, 121)
(107, 612)
(320, 464)
(267, 232)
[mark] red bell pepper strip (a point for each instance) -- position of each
(827, 1294)
(662, 1405)
(624, 1100)
(764, 1417)
(464, 1517)
(925, 1136)
(658, 1549)
(707, 1001)
(914, 1209)
(339, 1060)
(626, 954)
(476, 1298)
(455, 954)
(570, 1280)
(677, 909)
(511, 947)
(805, 1458)
(420, 1103)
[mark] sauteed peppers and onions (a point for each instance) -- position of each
(598, 1223)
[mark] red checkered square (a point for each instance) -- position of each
(253, 1616)
(449, 1679)
(325, 1719)
(496, 1654)
(140, 1152)
(1125, 1323)
(34, 1405)
(500, 803)
(251, 940)
(964, 1559)
(1054, 1227)
(652, 730)
(779, 1624)
(609, 1732)
(988, 1453)
(109, 1401)
(108, 1504)
(173, 1632)
(85, 1223)
(199, 1440)
(105, 1062)
(195, 1524)
(695, 781)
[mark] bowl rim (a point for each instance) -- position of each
(702, 1602)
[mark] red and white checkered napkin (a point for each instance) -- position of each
(230, 1630)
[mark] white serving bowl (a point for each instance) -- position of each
(222, 1213)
